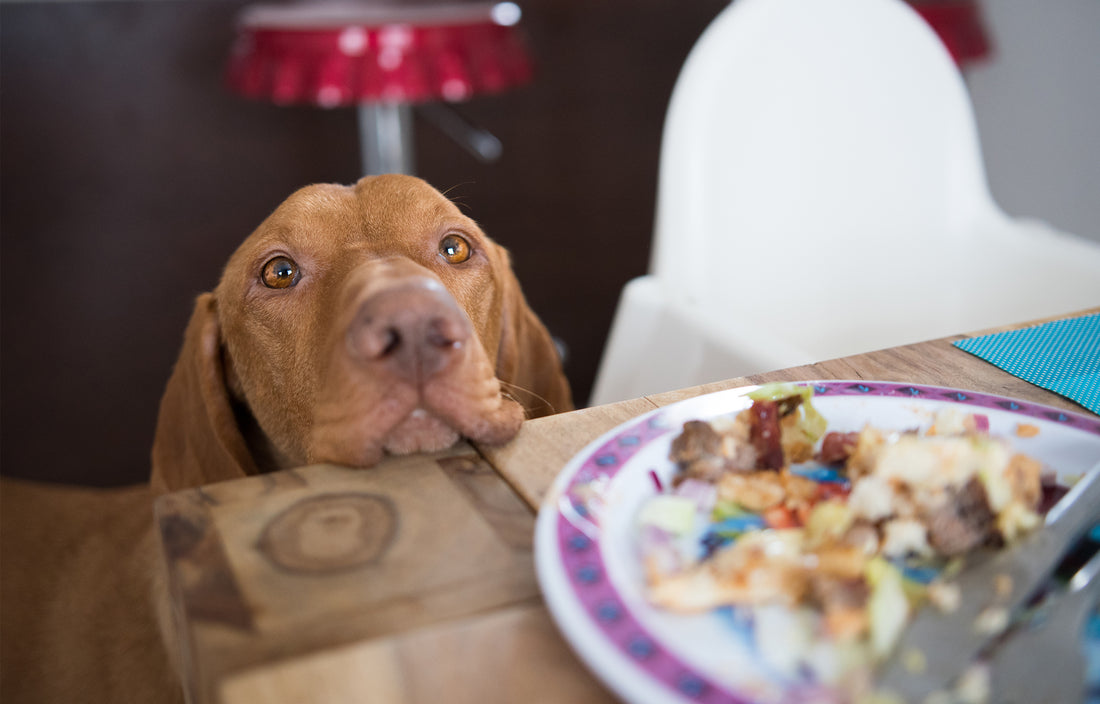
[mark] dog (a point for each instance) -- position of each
(355, 322)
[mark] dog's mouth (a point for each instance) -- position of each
(407, 374)
(361, 441)
(420, 431)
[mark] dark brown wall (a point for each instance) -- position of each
(128, 174)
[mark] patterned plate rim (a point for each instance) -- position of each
(580, 554)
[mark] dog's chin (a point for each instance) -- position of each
(420, 432)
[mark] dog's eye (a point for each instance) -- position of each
(280, 272)
(454, 249)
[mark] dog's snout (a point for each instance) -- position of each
(378, 340)
(445, 332)
(384, 340)
(413, 330)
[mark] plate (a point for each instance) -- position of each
(592, 580)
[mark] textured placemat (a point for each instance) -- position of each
(1062, 356)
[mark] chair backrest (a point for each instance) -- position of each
(820, 147)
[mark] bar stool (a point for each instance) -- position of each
(384, 60)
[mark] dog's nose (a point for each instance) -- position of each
(414, 328)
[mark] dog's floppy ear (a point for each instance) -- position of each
(197, 438)
(528, 360)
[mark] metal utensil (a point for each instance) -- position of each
(1055, 636)
(992, 586)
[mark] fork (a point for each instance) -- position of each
(1055, 638)
(949, 641)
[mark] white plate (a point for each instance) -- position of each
(585, 548)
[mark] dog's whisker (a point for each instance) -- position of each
(527, 392)
(447, 192)
(457, 199)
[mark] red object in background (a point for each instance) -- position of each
(349, 54)
(959, 25)
(344, 54)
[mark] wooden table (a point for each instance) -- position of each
(414, 581)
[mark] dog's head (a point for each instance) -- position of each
(355, 321)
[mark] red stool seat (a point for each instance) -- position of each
(347, 54)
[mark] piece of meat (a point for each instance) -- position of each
(698, 451)
(1051, 492)
(836, 447)
(963, 522)
(764, 434)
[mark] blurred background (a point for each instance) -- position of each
(129, 172)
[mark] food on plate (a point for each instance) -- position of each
(831, 538)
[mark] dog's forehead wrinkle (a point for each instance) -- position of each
(319, 196)
(415, 201)
(315, 206)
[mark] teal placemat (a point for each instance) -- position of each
(1062, 356)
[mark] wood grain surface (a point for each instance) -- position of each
(513, 654)
(283, 565)
(414, 581)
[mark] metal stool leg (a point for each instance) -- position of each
(478, 141)
(385, 138)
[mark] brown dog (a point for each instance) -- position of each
(354, 322)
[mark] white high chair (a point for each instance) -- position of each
(822, 193)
